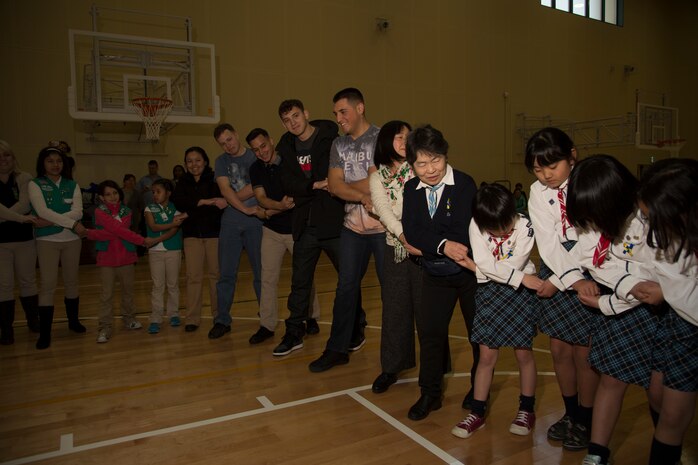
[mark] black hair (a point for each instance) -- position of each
(426, 139)
(601, 195)
(180, 167)
(669, 190)
(198, 150)
(352, 94)
(385, 153)
(221, 128)
(288, 105)
(109, 183)
(167, 184)
(256, 132)
(44, 154)
(494, 208)
(548, 146)
(153, 162)
(128, 176)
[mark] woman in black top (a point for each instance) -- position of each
(198, 195)
(17, 247)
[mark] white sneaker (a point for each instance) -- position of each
(102, 337)
(591, 460)
(135, 324)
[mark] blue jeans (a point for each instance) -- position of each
(354, 254)
(238, 231)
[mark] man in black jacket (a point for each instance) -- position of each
(317, 216)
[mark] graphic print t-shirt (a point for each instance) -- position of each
(303, 153)
(355, 157)
(237, 170)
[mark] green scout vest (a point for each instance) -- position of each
(165, 216)
(102, 246)
(57, 198)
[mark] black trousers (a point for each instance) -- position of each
(439, 297)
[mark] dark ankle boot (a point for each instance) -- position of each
(30, 304)
(71, 310)
(45, 323)
(7, 318)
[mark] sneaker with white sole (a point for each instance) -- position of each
(134, 324)
(467, 427)
(288, 344)
(102, 337)
(592, 460)
(523, 423)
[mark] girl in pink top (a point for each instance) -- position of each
(116, 256)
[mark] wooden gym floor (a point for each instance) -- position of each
(180, 398)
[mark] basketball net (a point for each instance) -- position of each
(153, 112)
(673, 146)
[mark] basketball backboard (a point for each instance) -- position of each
(655, 124)
(109, 70)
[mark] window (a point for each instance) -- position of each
(608, 11)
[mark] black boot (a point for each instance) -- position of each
(30, 304)
(45, 323)
(71, 310)
(7, 318)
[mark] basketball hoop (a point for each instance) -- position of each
(674, 146)
(153, 111)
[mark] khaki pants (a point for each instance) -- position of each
(125, 274)
(17, 259)
(200, 254)
(50, 254)
(164, 271)
(274, 246)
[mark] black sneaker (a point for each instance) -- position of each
(288, 344)
(218, 330)
(559, 430)
(357, 344)
(261, 335)
(311, 326)
(577, 438)
(327, 360)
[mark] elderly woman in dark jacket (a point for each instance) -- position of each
(197, 195)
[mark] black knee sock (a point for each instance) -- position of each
(655, 416)
(661, 453)
(601, 451)
(526, 403)
(479, 407)
(571, 405)
(584, 416)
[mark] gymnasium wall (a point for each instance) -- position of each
(444, 62)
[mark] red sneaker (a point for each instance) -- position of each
(468, 426)
(523, 423)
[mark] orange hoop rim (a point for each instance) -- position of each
(670, 142)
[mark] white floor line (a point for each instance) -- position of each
(264, 400)
(66, 442)
(67, 446)
(410, 433)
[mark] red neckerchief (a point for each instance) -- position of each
(601, 251)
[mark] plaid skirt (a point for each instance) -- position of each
(504, 316)
(622, 345)
(563, 316)
(676, 353)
